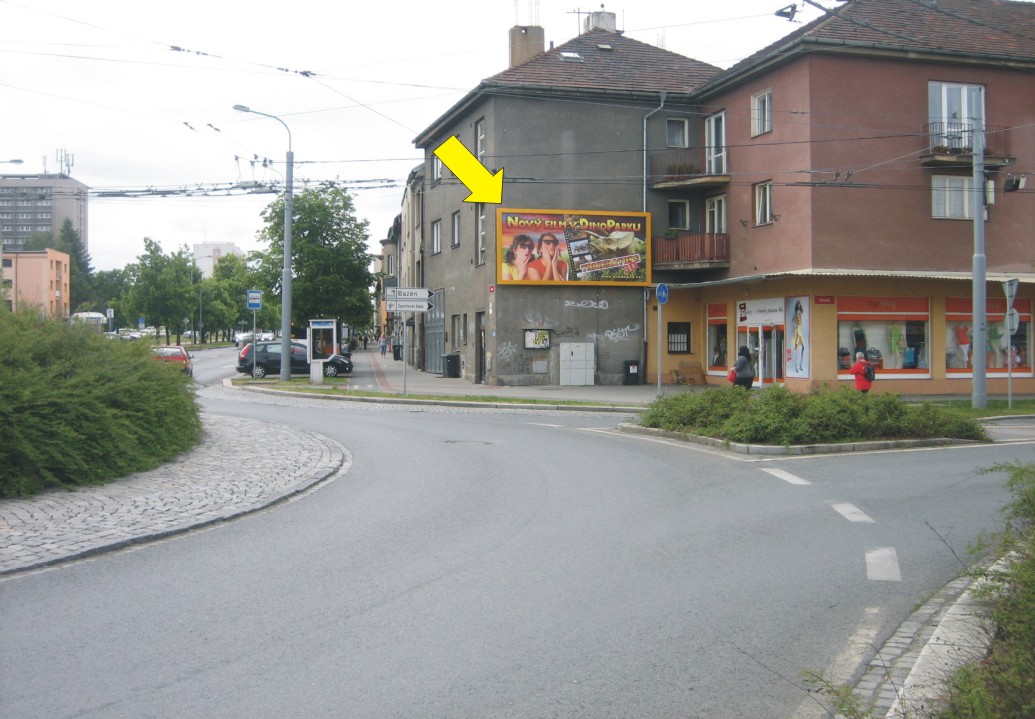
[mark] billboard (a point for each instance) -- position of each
(562, 247)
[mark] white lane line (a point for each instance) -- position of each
(851, 512)
(882, 565)
(785, 476)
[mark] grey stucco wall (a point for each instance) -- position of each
(609, 317)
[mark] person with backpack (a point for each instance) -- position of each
(864, 373)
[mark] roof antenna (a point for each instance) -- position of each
(787, 12)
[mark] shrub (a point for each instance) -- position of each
(77, 408)
(779, 416)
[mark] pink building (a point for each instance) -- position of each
(37, 278)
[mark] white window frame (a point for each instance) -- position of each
(715, 215)
(952, 197)
(764, 203)
(455, 240)
(761, 113)
(480, 141)
(436, 237)
(957, 108)
(681, 207)
(480, 236)
(682, 129)
(436, 169)
(715, 143)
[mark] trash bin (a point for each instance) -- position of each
(632, 372)
(451, 365)
(397, 352)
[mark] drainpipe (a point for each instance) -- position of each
(646, 291)
(664, 94)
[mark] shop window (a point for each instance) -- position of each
(718, 337)
(893, 333)
(1001, 347)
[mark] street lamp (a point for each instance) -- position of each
(285, 280)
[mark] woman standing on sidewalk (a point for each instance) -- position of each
(382, 342)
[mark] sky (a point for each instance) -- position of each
(129, 96)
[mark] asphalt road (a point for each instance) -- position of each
(504, 563)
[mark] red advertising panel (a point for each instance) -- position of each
(559, 247)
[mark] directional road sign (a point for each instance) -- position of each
(407, 293)
(662, 292)
(408, 305)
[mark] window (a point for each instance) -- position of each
(715, 144)
(480, 140)
(764, 203)
(717, 337)
(463, 330)
(679, 337)
(951, 197)
(436, 237)
(892, 332)
(457, 331)
(7, 262)
(1003, 351)
(455, 240)
(761, 113)
(954, 110)
(676, 132)
(480, 238)
(678, 214)
(715, 214)
(436, 169)
(391, 265)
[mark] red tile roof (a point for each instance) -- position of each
(603, 60)
(994, 29)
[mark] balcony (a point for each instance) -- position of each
(691, 251)
(951, 144)
(690, 167)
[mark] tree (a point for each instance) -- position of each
(162, 288)
(110, 288)
(236, 277)
(331, 275)
(80, 274)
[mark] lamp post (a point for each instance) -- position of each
(201, 296)
(285, 280)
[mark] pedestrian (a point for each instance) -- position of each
(365, 338)
(744, 368)
(382, 342)
(863, 380)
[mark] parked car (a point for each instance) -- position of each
(175, 353)
(267, 360)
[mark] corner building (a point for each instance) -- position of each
(815, 200)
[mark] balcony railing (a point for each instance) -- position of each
(692, 249)
(952, 143)
(692, 165)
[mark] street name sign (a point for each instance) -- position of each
(407, 293)
(408, 305)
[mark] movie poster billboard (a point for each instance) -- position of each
(561, 247)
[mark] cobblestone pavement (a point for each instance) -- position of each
(219, 479)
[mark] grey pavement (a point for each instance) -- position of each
(280, 462)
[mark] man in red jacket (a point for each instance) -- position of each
(859, 370)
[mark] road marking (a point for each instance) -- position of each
(882, 565)
(785, 476)
(851, 512)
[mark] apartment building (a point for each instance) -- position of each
(825, 196)
(838, 166)
(36, 278)
(41, 203)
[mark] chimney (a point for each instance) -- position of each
(601, 20)
(525, 43)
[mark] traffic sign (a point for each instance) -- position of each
(255, 299)
(408, 305)
(662, 293)
(407, 293)
(1010, 290)
(1013, 321)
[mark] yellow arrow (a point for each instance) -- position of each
(484, 186)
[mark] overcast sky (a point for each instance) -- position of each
(355, 83)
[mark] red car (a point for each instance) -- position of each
(176, 353)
